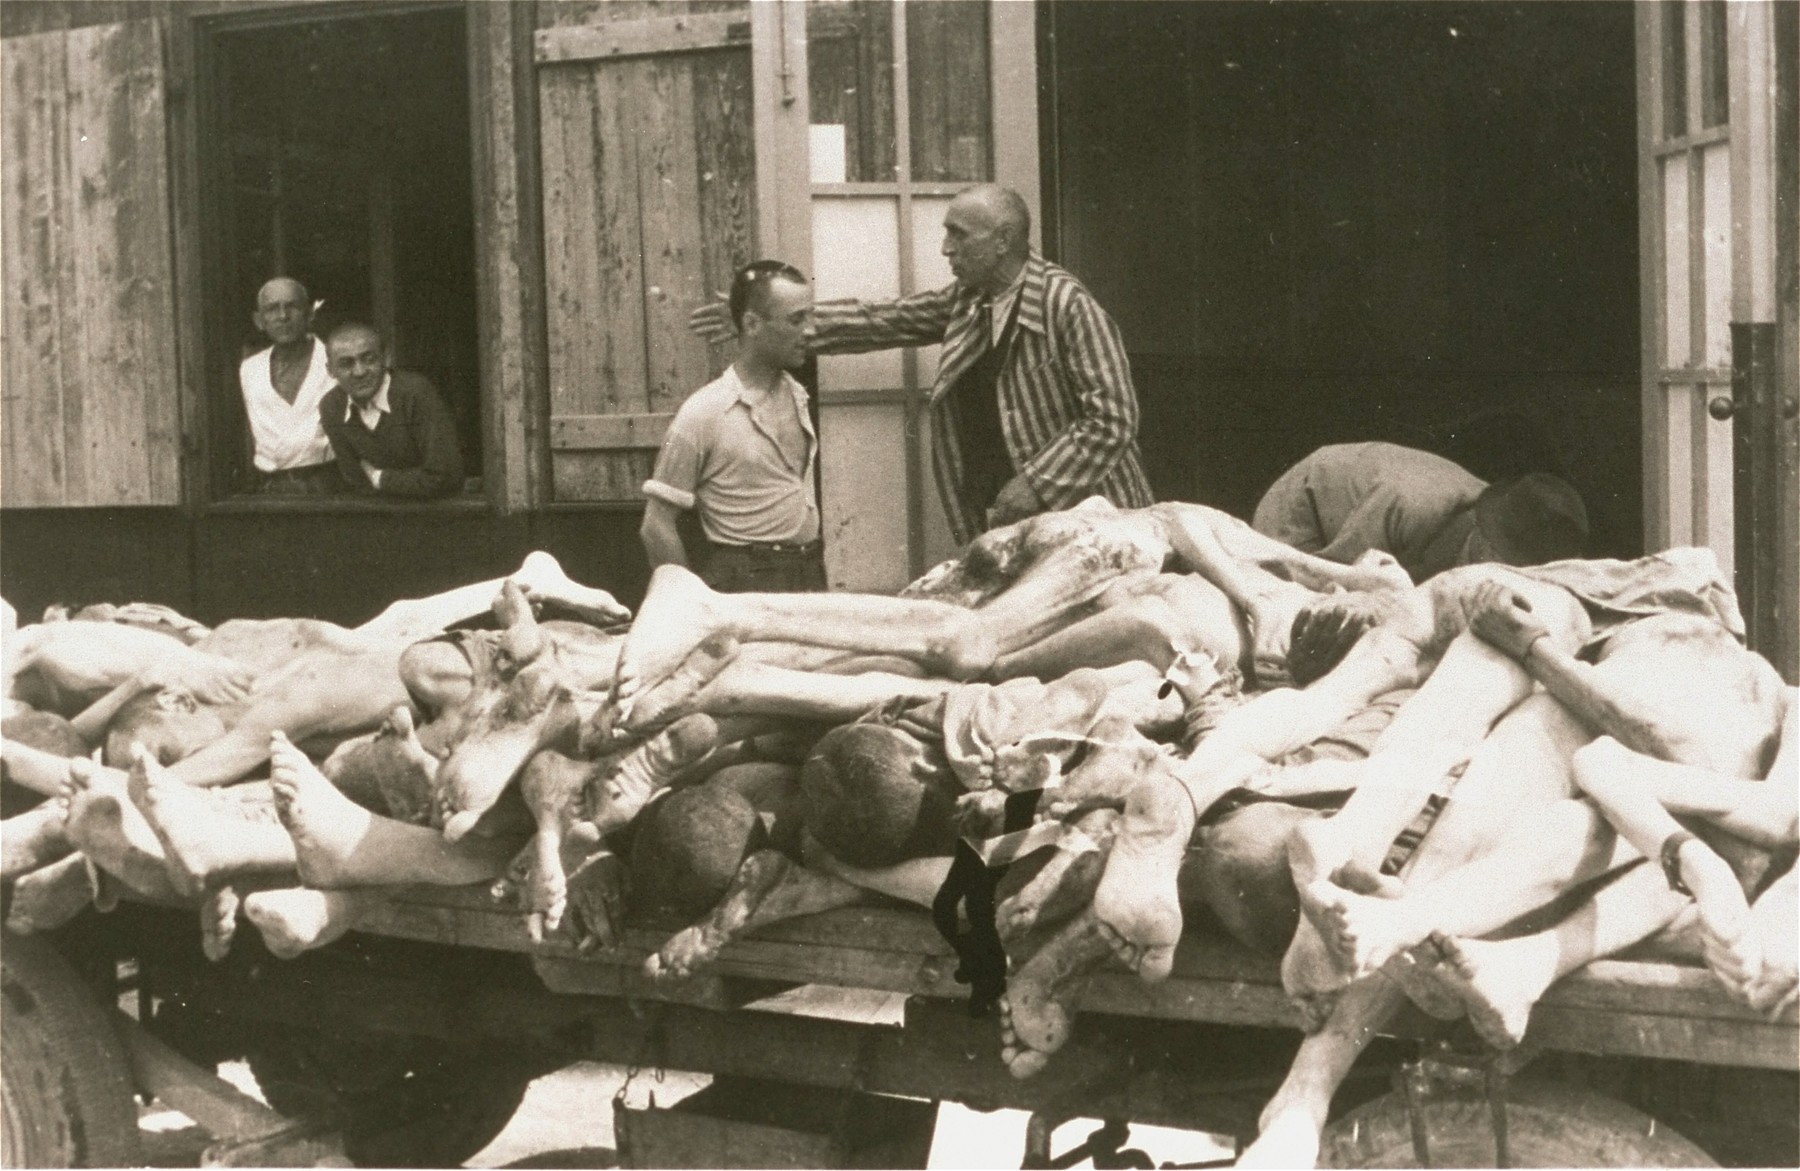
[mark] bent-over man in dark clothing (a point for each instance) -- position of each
(390, 431)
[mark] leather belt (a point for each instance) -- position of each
(786, 548)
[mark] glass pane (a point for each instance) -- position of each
(850, 55)
(1715, 218)
(1677, 319)
(855, 243)
(947, 84)
(1674, 68)
(1715, 72)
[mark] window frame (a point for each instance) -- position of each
(205, 323)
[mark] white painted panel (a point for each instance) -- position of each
(863, 466)
(856, 247)
(930, 269)
(1715, 178)
(1676, 313)
(1715, 515)
(1680, 472)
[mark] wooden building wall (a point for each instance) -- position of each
(90, 411)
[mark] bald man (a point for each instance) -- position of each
(282, 386)
(1033, 409)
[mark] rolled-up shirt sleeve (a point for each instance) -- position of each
(679, 464)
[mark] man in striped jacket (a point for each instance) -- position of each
(1033, 409)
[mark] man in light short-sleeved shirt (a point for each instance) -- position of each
(741, 452)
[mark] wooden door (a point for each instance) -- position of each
(1719, 442)
(649, 197)
(91, 413)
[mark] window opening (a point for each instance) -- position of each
(339, 153)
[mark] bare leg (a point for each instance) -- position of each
(762, 689)
(642, 772)
(914, 881)
(106, 826)
(1500, 982)
(680, 612)
(1037, 1012)
(50, 896)
(1295, 1116)
(1774, 921)
(767, 888)
(218, 922)
(337, 843)
(551, 785)
(34, 769)
(1136, 902)
(33, 839)
(297, 920)
(1119, 755)
(1471, 875)
(540, 576)
(208, 836)
(1066, 883)
(677, 693)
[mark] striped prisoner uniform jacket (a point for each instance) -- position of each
(1068, 410)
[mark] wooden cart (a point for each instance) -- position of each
(412, 1041)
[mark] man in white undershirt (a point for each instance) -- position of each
(282, 386)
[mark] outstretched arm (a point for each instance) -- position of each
(1503, 618)
(855, 327)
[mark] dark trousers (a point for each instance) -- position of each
(758, 569)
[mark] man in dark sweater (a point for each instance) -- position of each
(390, 431)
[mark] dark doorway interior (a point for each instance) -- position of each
(1328, 222)
(340, 155)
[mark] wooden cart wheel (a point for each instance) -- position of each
(64, 1079)
(398, 1101)
(1547, 1126)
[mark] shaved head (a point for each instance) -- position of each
(1004, 208)
(282, 288)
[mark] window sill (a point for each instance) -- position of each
(345, 504)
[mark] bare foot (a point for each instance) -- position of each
(1287, 1136)
(1136, 900)
(108, 829)
(218, 922)
(33, 839)
(1065, 886)
(672, 696)
(678, 614)
(1119, 755)
(551, 786)
(695, 947)
(1270, 623)
(596, 899)
(50, 896)
(1414, 973)
(338, 843)
(1497, 994)
(644, 771)
(297, 920)
(408, 796)
(1037, 1013)
(1361, 932)
(205, 837)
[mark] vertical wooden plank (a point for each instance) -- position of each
(1653, 312)
(782, 110)
(668, 190)
(727, 166)
(508, 260)
(147, 292)
(33, 464)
